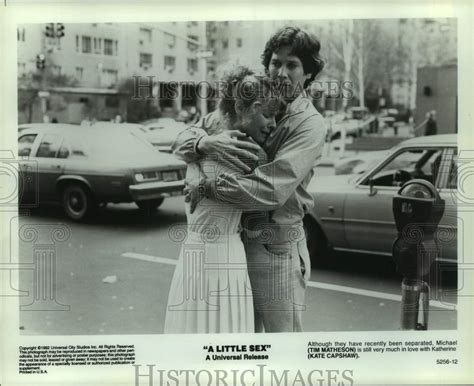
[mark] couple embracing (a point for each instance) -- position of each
(244, 265)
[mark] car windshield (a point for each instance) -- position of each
(370, 165)
(407, 165)
(113, 143)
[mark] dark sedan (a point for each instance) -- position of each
(82, 168)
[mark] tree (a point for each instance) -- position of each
(365, 52)
(138, 109)
(340, 42)
(347, 51)
(30, 84)
(360, 66)
(378, 59)
(375, 55)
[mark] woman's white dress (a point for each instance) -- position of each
(210, 291)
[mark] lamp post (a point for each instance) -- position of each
(52, 34)
(202, 55)
(203, 92)
(99, 73)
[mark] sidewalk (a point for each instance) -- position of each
(403, 131)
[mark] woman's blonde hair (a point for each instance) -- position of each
(241, 84)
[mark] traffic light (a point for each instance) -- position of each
(40, 61)
(49, 30)
(59, 30)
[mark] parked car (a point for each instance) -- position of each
(388, 117)
(354, 212)
(357, 122)
(163, 131)
(38, 126)
(351, 128)
(358, 113)
(131, 127)
(82, 167)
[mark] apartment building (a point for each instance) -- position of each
(96, 58)
(99, 57)
(236, 41)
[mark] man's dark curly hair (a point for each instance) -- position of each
(304, 45)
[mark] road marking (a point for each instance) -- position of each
(313, 284)
(153, 259)
(372, 294)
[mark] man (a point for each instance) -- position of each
(278, 260)
(431, 126)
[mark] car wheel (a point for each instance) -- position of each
(150, 205)
(316, 242)
(77, 201)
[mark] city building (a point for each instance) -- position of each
(91, 62)
(437, 91)
(237, 42)
(81, 71)
(176, 64)
(428, 42)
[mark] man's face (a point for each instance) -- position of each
(288, 71)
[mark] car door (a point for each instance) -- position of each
(28, 180)
(448, 227)
(330, 206)
(49, 166)
(368, 218)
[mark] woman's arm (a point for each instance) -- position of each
(270, 185)
(185, 144)
(207, 137)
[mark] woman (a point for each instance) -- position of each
(210, 291)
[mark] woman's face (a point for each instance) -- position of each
(259, 121)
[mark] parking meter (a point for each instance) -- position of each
(417, 210)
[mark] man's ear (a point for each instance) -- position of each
(256, 106)
(239, 107)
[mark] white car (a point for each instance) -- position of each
(163, 131)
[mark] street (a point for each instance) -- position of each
(115, 271)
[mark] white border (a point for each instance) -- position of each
(288, 350)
